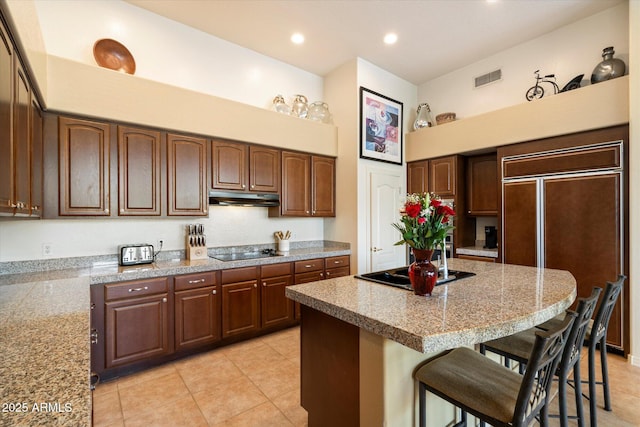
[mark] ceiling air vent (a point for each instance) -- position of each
(485, 79)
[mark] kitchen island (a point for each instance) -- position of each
(361, 341)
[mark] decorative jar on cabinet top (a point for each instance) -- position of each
(423, 118)
(609, 68)
(299, 108)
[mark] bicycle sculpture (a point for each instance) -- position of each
(537, 91)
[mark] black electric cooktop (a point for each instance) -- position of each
(241, 256)
(399, 277)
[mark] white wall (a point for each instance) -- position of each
(381, 81)
(170, 52)
(567, 52)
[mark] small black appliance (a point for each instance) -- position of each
(490, 237)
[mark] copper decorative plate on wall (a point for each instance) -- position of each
(113, 55)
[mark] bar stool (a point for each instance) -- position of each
(490, 391)
(518, 347)
(597, 335)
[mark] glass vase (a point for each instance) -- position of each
(422, 273)
(423, 118)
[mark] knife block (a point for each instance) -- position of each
(195, 251)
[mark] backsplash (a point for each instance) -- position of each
(225, 226)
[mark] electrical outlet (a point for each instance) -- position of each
(47, 250)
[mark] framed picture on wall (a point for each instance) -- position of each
(380, 127)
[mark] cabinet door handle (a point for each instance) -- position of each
(328, 273)
(255, 285)
(196, 281)
(214, 292)
(253, 186)
(138, 289)
(164, 300)
(264, 283)
(307, 211)
(321, 274)
(244, 186)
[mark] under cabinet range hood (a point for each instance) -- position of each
(231, 198)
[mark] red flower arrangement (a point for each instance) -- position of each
(425, 221)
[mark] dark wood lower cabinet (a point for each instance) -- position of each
(137, 329)
(197, 314)
(240, 308)
(142, 323)
(275, 308)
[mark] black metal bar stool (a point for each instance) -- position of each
(597, 335)
(518, 347)
(490, 391)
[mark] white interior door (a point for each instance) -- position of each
(385, 197)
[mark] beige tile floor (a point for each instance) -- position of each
(257, 383)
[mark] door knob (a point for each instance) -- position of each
(376, 249)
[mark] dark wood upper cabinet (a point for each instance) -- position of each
(442, 179)
(83, 167)
(22, 141)
(229, 165)
(308, 186)
(139, 172)
(7, 187)
(187, 176)
(37, 126)
(323, 184)
(418, 177)
(264, 169)
(242, 167)
(482, 185)
(295, 199)
(20, 137)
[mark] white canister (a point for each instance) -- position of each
(283, 246)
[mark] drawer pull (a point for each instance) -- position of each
(196, 281)
(337, 262)
(138, 289)
(308, 266)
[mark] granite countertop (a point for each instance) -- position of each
(45, 322)
(499, 300)
(478, 250)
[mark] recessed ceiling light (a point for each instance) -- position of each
(390, 38)
(297, 38)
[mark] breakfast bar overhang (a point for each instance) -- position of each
(361, 341)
